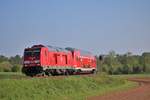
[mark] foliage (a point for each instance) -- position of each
(124, 64)
(15, 60)
(16, 68)
(5, 66)
(146, 61)
(65, 88)
(8, 64)
(3, 58)
(12, 75)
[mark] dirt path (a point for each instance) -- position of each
(142, 92)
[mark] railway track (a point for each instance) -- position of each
(45, 76)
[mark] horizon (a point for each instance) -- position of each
(95, 26)
(104, 54)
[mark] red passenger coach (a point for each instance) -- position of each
(49, 60)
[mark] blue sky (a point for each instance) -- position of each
(93, 25)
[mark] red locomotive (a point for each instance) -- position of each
(49, 60)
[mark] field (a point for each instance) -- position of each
(16, 86)
(140, 92)
(11, 75)
(142, 75)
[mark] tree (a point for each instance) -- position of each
(5, 66)
(111, 64)
(122, 64)
(146, 61)
(3, 58)
(99, 63)
(16, 68)
(15, 60)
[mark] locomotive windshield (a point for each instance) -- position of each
(30, 53)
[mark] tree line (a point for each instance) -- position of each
(10, 64)
(111, 63)
(124, 64)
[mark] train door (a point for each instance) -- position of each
(44, 57)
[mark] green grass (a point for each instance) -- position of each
(11, 75)
(68, 88)
(132, 75)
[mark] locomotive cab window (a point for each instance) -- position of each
(30, 53)
(27, 53)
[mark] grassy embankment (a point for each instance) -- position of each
(142, 75)
(11, 75)
(60, 88)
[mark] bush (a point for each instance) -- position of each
(16, 68)
(137, 69)
(5, 66)
(1, 69)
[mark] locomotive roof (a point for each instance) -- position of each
(82, 52)
(57, 49)
(67, 49)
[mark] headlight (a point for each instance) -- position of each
(26, 62)
(37, 61)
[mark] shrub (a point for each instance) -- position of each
(16, 68)
(5, 66)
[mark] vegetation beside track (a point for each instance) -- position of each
(64, 88)
(12, 75)
(142, 75)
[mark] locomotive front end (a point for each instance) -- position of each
(31, 61)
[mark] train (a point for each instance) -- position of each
(50, 60)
